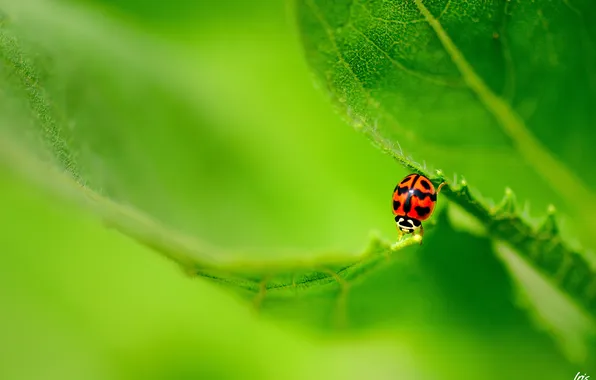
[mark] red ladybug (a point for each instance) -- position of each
(414, 200)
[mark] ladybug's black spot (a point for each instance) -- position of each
(408, 204)
(425, 184)
(402, 190)
(422, 195)
(396, 204)
(422, 211)
(406, 179)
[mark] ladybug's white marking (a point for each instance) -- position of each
(408, 225)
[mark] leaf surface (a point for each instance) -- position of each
(502, 93)
(481, 90)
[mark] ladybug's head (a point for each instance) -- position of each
(407, 224)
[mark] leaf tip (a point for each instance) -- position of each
(508, 204)
(440, 178)
(464, 189)
(549, 225)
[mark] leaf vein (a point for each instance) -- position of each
(554, 172)
(399, 65)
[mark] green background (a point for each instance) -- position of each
(205, 116)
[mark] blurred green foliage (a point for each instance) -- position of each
(203, 116)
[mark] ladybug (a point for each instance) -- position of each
(414, 200)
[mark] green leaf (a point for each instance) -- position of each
(79, 301)
(482, 90)
(505, 84)
(410, 294)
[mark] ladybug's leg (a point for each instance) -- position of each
(421, 234)
(400, 233)
(440, 186)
